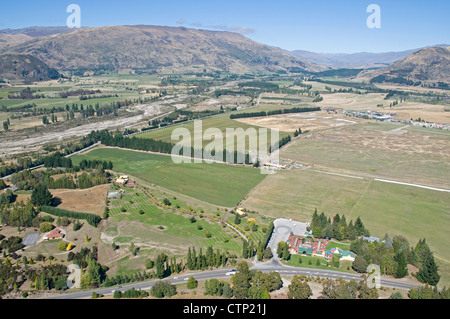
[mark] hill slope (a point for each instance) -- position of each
(25, 67)
(429, 65)
(154, 48)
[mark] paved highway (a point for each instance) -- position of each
(273, 265)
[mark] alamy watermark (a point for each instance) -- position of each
(373, 280)
(374, 20)
(73, 20)
(238, 146)
(74, 279)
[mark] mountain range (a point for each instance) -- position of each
(359, 60)
(153, 48)
(170, 49)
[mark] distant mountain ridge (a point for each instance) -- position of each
(35, 32)
(426, 66)
(359, 60)
(154, 48)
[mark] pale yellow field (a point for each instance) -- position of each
(312, 121)
(404, 111)
(91, 200)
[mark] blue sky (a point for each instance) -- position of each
(330, 26)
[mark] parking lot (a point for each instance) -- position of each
(282, 229)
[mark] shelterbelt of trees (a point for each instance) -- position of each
(118, 140)
(275, 112)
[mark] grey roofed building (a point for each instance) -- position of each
(114, 195)
(371, 238)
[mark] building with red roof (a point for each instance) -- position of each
(55, 234)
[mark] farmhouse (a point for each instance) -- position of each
(120, 181)
(240, 212)
(54, 234)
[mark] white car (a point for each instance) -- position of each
(231, 272)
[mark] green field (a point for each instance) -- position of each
(221, 122)
(219, 184)
(384, 208)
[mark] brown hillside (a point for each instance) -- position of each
(429, 65)
(155, 47)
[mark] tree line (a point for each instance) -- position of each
(322, 227)
(394, 255)
(79, 92)
(266, 86)
(200, 261)
(57, 160)
(283, 141)
(260, 250)
(275, 112)
(148, 144)
(92, 219)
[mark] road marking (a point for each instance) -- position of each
(415, 185)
